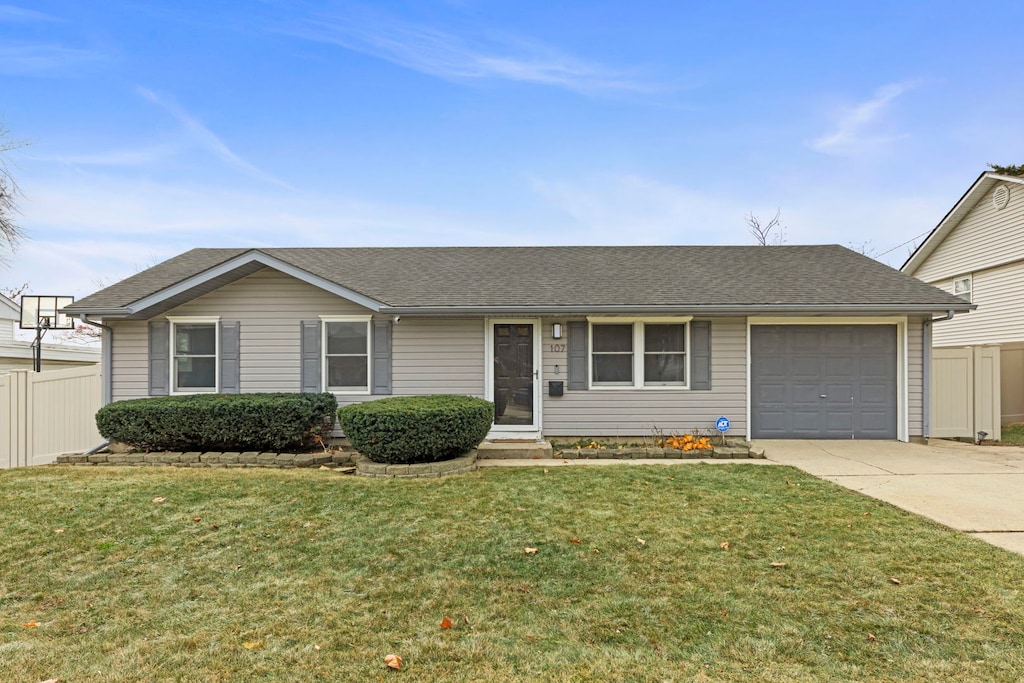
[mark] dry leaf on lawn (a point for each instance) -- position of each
(58, 531)
(253, 645)
(894, 581)
(545, 470)
(446, 623)
(778, 564)
(197, 519)
(159, 499)
(724, 545)
(641, 541)
(393, 661)
(31, 624)
(871, 638)
(530, 551)
(575, 541)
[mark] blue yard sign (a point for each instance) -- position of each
(722, 425)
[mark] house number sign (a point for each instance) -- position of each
(557, 348)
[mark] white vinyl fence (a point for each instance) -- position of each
(965, 392)
(45, 414)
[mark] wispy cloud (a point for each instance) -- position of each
(19, 59)
(206, 139)
(142, 156)
(10, 13)
(448, 56)
(854, 128)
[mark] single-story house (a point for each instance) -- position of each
(977, 252)
(785, 341)
(18, 354)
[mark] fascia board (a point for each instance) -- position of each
(244, 259)
(953, 217)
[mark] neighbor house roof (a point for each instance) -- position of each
(825, 278)
(981, 187)
(8, 309)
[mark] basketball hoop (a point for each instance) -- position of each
(42, 313)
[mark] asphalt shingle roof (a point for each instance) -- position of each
(822, 275)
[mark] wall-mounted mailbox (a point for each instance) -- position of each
(556, 388)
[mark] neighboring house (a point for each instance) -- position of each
(786, 341)
(977, 252)
(17, 354)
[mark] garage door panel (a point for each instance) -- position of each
(874, 395)
(824, 381)
(803, 366)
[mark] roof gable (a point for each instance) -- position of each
(733, 279)
(8, 309)
(981, 187)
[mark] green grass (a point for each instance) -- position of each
(322, 575)
(1013, 433)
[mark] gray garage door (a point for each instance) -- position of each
(823, 381)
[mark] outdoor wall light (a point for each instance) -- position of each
(981, 437)
(556, 330)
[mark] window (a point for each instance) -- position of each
(346, 354)
(962, 287)
(665, 354)
(639, 353)
(194, 361)
(613, 354)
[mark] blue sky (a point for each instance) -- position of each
(156, 127)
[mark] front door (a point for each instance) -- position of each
(515, 378)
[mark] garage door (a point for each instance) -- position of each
(823, 381)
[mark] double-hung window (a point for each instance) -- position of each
(195, 345)
(637, 353)
(346, 346)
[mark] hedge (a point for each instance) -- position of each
(416, 429)
(219, 422)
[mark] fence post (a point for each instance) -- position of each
(19, 417)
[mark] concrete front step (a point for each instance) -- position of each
(513, 450)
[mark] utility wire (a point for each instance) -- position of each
(904, 244)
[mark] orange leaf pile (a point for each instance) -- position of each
(688, 442)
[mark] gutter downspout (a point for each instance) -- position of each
(106, 367)
(926, 372)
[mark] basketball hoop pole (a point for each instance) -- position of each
(42, 325)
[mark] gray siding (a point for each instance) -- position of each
(985, 238)
(130, 359)
(999, 319)
(915, 378)
(268, 304)
(617, 413)
(432, 356)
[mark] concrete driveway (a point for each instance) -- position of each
(976, 489)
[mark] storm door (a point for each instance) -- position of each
(514, 375)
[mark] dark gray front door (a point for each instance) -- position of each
(513, 374)
(823, 381)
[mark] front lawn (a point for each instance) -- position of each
(1013, 433)
(640, 574)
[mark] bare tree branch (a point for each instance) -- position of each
(10, 232)
(763, 233)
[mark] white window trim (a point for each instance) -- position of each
(172, 373)
(970, 287)
(352, 391)
(638, 353)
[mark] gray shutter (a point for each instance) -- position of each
(229, 352)
(159, 357)
(309, 351)
(578, 362)
(700, 355)
(381, 357)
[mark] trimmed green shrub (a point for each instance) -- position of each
(412, 429)
(219, 422)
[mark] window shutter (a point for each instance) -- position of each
(309, 351)
(700, 355)
(578, 365)
(381, 357)
(229, 357)
(159, 357)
